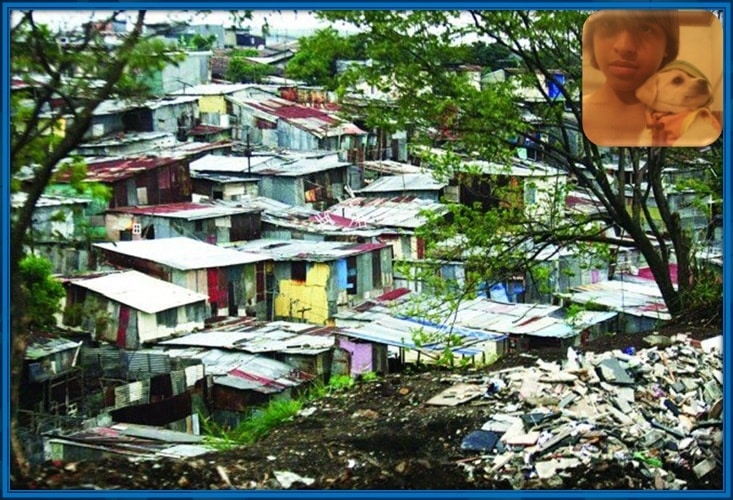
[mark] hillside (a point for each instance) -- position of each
(381, 434)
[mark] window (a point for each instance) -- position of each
(377, 269)
(298, 271)
(169, 317)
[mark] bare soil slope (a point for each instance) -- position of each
(377, 435)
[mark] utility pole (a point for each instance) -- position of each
(248, 151)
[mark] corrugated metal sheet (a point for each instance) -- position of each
(131, 394)
(263, 374)
(182, 253)
(40, 346)
(140, 291)
(301, 250)
(635, 297)
(401, 212)
(186, 210)
(402, 183)
(147, 363)
(256, 340)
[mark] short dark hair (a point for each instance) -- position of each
(667, 20)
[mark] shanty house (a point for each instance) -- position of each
(397, 216)
(143, 180)
(303, 346)
(317, 179)
(213, 223)
(417, 185)
(279, 123)
(233, 281)
(241, 381)
(637, 301)
(60, 223)
(53, 381)
(130, 308)
(312, 279)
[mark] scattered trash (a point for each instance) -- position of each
(480, 441)
(660, 407)
(287, 479)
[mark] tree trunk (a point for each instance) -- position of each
(19, 331)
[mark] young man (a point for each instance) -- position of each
(627, 47)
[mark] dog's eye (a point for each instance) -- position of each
(678, 80)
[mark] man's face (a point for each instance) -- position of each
(628, 50)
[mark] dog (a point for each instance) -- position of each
(677, 98)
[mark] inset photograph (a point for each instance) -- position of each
(652, 78)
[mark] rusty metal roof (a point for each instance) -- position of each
(117, 169)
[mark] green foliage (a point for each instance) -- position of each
(415, 59)
(44, 292)
(369, 376)
(198, 42)
(241, 70)
(315, 61)
(340, 383)
(260, 422)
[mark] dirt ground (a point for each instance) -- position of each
(377, 435)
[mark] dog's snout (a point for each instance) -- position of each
(701, 85)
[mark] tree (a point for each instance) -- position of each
(43, 291)
(65, 85)
(199, 42)
(240, 69)
(315, 61)
(411, 56)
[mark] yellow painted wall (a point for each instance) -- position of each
(311, 295)
(212, 104)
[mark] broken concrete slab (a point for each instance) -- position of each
(612, 372)
(457, 394)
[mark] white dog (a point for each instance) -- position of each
(677, 99)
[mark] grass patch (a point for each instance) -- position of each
(260, 422)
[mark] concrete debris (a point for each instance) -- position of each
(660, 409)
(286, 479)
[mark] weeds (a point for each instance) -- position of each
(262, 420)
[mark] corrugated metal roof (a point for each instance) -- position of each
(141, 291)
(40, 346)
(636, 297)
(18, 199)
(314, 120)
(392, 167)
(121, 168)
(268, 164)
(182, 253)
(260, 373)
(314, 251)
(402, 183)
(401, 212)
(323, 223)
(211, 89)
(257, 339)
(185, 210)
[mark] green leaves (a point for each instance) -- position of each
(242, 70)
(43, 292)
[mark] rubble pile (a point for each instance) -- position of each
(658, 409)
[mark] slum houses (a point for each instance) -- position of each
(254, 242)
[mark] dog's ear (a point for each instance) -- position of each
(647, 93)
